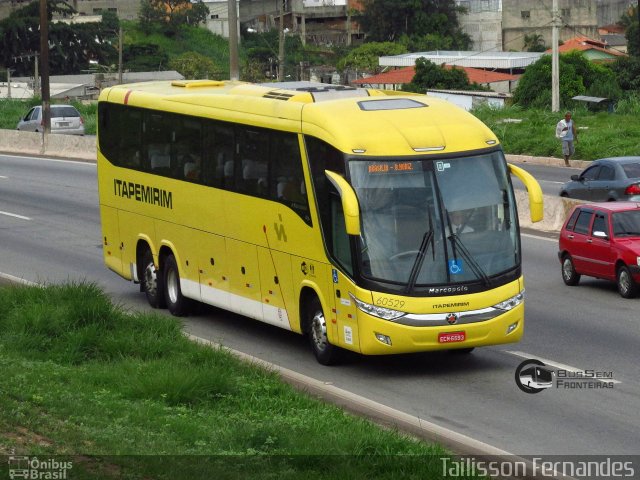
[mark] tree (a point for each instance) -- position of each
(144, 57)
(627, 71)
(578, 76)
(196, 66)
(170, 15)
(412, 20)
(429, 75)
(630, 21)
(71, 46)
(365, 57)
(534, 43)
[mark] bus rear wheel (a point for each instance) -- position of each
(152, 284)
(177, 304)
(325, 352)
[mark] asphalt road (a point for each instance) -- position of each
(49, 231)
(549, 178)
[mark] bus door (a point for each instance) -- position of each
(346, 326)
(111, 243)
(277, 289)
(212, 268)
(244, 279)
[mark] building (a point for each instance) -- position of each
(505, 62)
(218, 18)
(524, 17)
(321, 22)
(394, 79)
(502, 25)
(593, 50)
(483, 23)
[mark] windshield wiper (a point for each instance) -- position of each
(427, 238)
(475, 266)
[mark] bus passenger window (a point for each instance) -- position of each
(253, 147)
(217, 154)
(288, 174)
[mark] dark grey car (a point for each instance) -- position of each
(605, 180)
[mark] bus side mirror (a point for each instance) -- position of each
(349, 199)
(536, 206)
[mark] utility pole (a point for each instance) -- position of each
(281, 41)
(44, 67)
(8, 83)
(555, 62)
(234, 70)
(120, 55)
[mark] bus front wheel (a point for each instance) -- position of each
(152, 285)
(177, 304)
(325, 352)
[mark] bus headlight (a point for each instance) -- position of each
(376, 311)
(510, 303)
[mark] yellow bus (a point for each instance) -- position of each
(367, 220)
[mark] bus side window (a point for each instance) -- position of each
(131, 139)
(252, 167)
(287, 174)
(323, 156)
(218, 155)
(158, 136)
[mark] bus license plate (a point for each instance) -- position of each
(452, 337)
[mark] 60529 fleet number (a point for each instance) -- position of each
(390, 302)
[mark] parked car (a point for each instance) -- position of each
(64, 119)
(605, 180)
(602, 240)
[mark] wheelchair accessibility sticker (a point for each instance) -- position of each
(455, 267)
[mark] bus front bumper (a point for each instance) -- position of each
(382, 337)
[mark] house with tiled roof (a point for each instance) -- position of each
(594, 50)
(394, 79)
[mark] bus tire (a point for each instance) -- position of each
(151, 281)
(177, 303)
(325, 352)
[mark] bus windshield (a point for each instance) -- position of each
(428, 222)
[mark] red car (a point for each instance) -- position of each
(602, 240)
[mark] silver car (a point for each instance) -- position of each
(606, 180)
(64, 119)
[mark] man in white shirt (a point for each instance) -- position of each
(459, 222)
(566, 132)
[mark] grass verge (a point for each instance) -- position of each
(600, 134)
(126, 395)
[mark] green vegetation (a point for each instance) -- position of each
(578, 76)
(84, 377)
(600, 134)
(430, 75)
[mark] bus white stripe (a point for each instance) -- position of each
(217, 297)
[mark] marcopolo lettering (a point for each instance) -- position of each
(143, 193)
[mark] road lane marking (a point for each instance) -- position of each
(15, 215)
(560, 366)
(528, 235)
(46, 159)
(2, 176)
